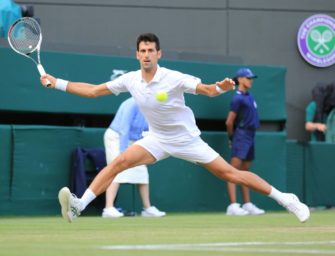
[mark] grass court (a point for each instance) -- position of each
(210, 234)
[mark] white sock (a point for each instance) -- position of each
(276, 195)
(87, 197)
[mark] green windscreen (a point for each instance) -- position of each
(21, 89)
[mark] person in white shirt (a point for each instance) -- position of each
(172, 129)
(128, 126)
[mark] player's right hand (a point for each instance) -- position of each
(227, 84)
(51, 79)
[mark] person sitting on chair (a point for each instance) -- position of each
(312, 125)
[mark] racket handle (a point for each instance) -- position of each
(42, 73)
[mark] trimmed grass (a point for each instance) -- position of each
(50, 236)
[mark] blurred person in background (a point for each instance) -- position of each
(319, 112)
(313, 126)
(242, 122)
(9, 12)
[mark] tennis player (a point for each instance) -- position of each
(172, 129)
(127, 127)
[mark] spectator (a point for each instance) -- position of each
(312, 125)
(242, 122)
(318, 110)
(127, 127)
(9, 12)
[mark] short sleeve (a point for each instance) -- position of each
(310, 111)
(188, 83)
(118, 85)
(235, 104)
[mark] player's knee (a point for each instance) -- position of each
(232, 175)
(122, 163)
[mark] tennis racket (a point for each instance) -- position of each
(25, 38)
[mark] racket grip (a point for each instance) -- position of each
(42, 73)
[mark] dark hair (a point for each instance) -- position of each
(148, 37)
(235, 79)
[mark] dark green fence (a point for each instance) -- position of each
(310, 168)
(21, 90)
(35, 162)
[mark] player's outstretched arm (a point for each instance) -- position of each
(216, 89)
(77, 88)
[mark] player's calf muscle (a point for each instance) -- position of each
(225, 171)
(220, 168)
(102, 180)
(231, 175)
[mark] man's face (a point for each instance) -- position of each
(148, 55)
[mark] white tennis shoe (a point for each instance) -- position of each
(252, 209)
(293, 205)
(235, 209)
(152, 211)
(70, 204)
(111, 212)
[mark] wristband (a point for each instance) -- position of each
(219, 90)
(61, 84)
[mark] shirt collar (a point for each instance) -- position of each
(242, 93)
(157, 76)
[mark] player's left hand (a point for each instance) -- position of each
(227, 84)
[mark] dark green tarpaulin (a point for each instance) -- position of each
(21, 90)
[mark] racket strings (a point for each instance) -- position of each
(25, 36)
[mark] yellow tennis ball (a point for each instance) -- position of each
(161, 96)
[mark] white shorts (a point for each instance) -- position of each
(195, 150)
(135, 175)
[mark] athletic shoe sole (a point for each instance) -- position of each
(303, 208)
(258, 212)
(109, 216)
(63, 197)
(151, 216)
(236, 214)
(307, 214)
(255, 214)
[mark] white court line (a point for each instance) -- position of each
(230, 246)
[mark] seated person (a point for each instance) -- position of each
(311, 124)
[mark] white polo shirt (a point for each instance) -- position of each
(170, 120)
